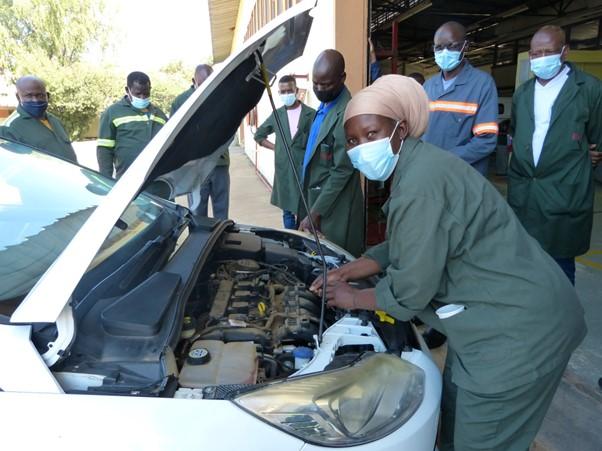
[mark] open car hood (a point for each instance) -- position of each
(198, 132)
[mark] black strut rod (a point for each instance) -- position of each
(266, 81)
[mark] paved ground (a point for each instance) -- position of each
(575, 418)
(249, 197)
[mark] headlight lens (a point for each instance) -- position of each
(344, 407)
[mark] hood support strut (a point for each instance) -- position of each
(266, 82)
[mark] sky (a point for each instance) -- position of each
(148, 34)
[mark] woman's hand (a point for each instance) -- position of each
(341, 295)
(332, 276)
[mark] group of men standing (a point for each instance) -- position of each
(556, 128)
(128, 125)
(316, 140)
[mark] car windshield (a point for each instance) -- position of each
(43, 203)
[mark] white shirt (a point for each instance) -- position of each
(545, 96)
(448, 83)
(293, 119)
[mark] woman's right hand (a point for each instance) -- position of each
(332, 276)
(356, 270)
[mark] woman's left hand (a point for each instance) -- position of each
(341, 295)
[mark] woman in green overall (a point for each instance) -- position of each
(457, 257)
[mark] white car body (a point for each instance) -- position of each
(37, 407)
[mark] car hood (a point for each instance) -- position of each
(197, 134)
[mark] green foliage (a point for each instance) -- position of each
(62, 30)
(48, 38)
(78, 92)
(168, 83)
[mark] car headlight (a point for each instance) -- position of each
(343, 407)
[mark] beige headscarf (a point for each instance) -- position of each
(394, 96)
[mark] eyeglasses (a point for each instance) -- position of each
(454, 46)
(533, 54)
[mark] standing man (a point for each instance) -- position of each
(127, 126)
(556, 128)
(31, 124)
(217, 185)
(296, 119)
(330, 182)
(463, 101)
(463, 111)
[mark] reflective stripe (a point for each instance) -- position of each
(105, 142)
(454, 107)
(9, 120)
(144, 118)
(158, 119)
(485, 128)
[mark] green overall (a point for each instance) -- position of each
(285, 193)
(333, 186)
(452, 239)
(22, 127)
(124, 131)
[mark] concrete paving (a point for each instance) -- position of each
(575, 417)
(249, 195)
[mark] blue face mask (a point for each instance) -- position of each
(288, 99)
(139, 103)
(375, 159)
(448, 60)
(547, 67)
(35, 108)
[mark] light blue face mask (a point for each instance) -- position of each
(375, 159)
(139, 103)
(547, 67)
(448, 60)
(288, 99)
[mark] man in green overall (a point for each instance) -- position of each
(296, 119)
(127, 126)
(556, 133)
(31, 124)
(330, 182)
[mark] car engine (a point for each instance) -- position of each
(260, 326)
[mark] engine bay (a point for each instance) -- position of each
(248, 319)
(261, 326)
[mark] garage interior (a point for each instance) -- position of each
(499, 32)
(402, 31)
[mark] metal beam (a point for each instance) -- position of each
(394, 44)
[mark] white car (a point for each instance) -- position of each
(126, 324)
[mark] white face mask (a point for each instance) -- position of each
(288, 99)
(375, 159)
(138, 102)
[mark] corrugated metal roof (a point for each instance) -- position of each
(222, 15)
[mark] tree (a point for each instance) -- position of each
(48, 38)
(61, 30)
